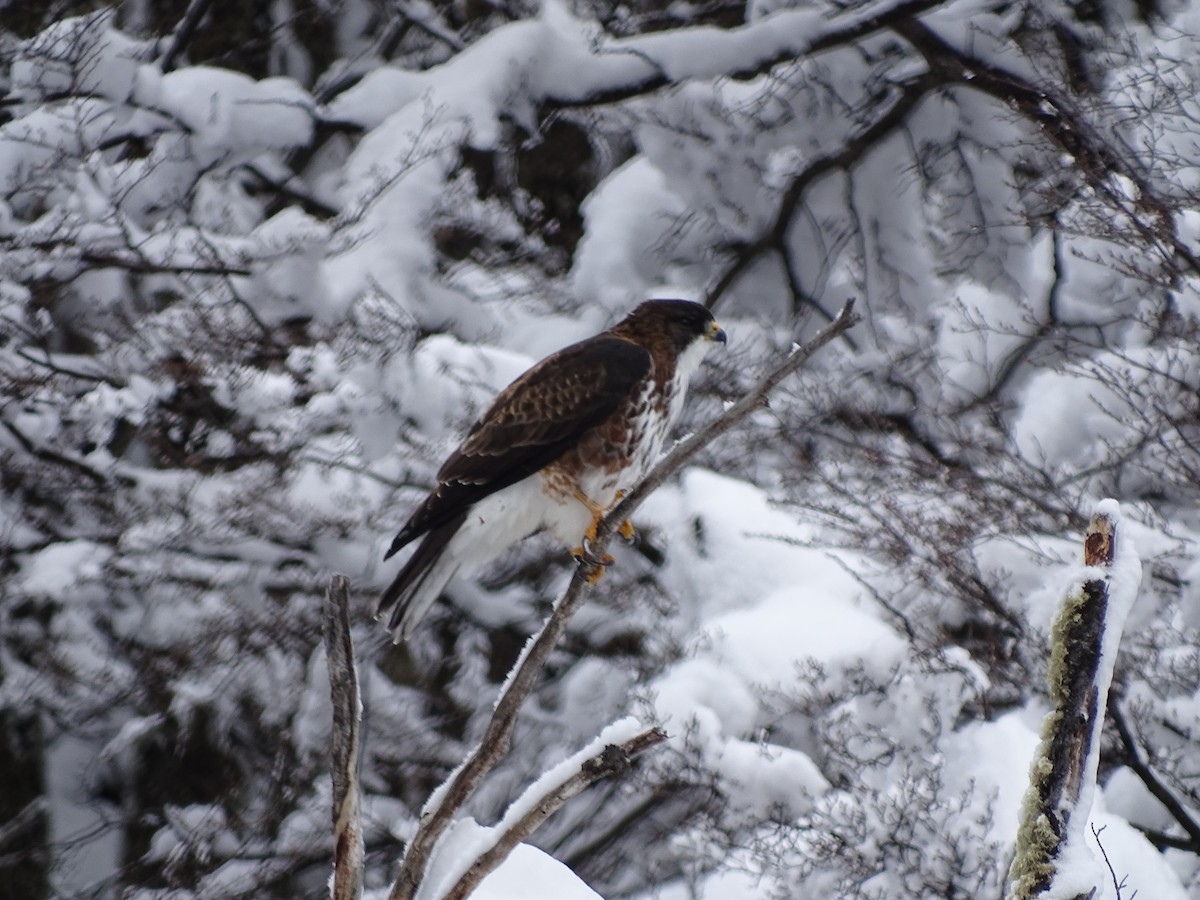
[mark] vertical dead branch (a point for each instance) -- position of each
(438, 815)
(1063, 768)
(347, 712)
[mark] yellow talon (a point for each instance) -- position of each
(627, 531)
(598, 566)
(580, 554)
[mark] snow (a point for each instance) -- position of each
(724, 885)
(770, 638)
(222, 107)
(993, 758)
(75, 823)
(1071, 418)
(978, 336)
(217, 391)
(56, 568)
(627, 216)
(531, 874)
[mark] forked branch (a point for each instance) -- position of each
(613, 760)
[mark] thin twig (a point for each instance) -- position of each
(1117, 882)
(496, 737)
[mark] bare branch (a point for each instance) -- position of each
(1140, 766)
(496, 737)
(347, 712)
(97, 477)
(184, 33)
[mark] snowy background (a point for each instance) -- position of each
(260, 266)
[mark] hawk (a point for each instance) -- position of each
(555, 450)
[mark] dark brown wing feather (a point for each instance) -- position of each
(533, 422)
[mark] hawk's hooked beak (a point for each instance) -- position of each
(715, 333)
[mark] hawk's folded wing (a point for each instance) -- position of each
(533, 422)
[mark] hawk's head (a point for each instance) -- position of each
(687, 328)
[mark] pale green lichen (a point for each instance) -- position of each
(1069, 619)
(1033, 865)
(1037, 842)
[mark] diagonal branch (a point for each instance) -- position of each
(447, 800)
(686, 449)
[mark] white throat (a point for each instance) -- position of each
(687, 363)
(690, 359)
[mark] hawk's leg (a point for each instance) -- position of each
(583, 551)
(625, 529)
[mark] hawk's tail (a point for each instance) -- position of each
(421, 581)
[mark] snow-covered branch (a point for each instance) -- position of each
(1099, 163)
(651, 62)
(548, 795)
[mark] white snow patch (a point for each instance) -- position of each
(627, 217)
(61, 566)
